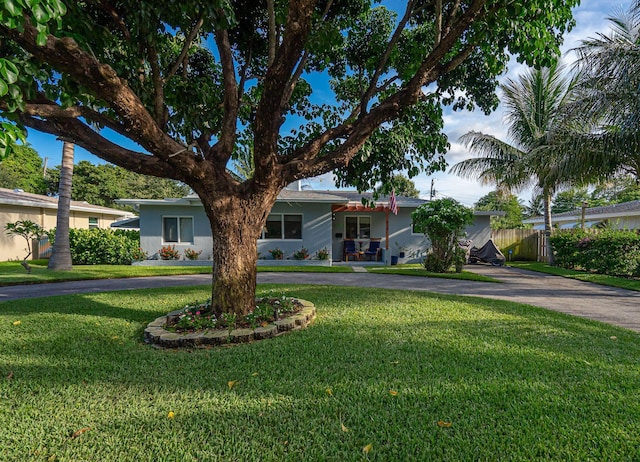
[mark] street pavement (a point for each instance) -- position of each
(607, 304)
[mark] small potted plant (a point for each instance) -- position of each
(277, 253)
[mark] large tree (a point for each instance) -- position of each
(504, 202)
(313, 85)
(23, 170)
(534, 113)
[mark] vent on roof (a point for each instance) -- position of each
(18, 190)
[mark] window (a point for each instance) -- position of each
(93, 222)
(177, 229)
(283, 226)
(358, 227)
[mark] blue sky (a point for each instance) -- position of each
(590, 19)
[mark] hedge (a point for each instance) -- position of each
(609, 251)
(103, 246)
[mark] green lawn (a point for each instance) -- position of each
(12, 273)
(384, 368)
(603, 279)
(418, 270)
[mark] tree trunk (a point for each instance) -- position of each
(548, 228)
(236, 225)
(61, 255)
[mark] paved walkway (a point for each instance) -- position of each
(607, 304)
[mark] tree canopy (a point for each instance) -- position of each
(504, 202)
(313, 85)
(24, 169)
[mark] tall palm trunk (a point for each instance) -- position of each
(61, 256)
(548, 227)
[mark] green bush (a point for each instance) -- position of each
(612, 252)
(103, 246)
(443, 221)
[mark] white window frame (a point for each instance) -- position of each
(282, 234)
(179, 218)
(357, 217)
(95, 225)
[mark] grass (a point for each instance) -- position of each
(418, 270)
(602, 279)
(12, 273)
(384, 368)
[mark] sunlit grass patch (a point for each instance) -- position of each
(416, 376)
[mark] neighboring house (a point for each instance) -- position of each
(625, 215)
(16, 205)
(316, 220)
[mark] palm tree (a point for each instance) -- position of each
(534, 113)
(610, 98)
(61, 256)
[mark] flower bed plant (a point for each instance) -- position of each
(199, 316)
(169, 252)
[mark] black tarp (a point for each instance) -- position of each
(488, 253)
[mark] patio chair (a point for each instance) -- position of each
(373, 252)
(349, 250)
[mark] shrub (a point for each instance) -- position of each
(301, 254)
(322, 254)
(613, 252)
(191, 254)
(169, 252)
(277, 253)
(443, 221)
(103, 247)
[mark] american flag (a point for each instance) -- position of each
(393, 206)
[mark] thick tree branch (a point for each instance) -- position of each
(271, 14)
(306, 160)
(269, 113)
(158, 87)
(66, 56)
(52, 110)
(84, 136)
(223, 149)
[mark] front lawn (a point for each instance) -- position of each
(602, 279)
(402, 375)
(12, 273)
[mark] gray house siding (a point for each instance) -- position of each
(316, 230)
(480, 230)
(151, 238)
(400, 235)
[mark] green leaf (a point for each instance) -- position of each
(9, 71)
(4, 88)
(12, 7)
(40, 14)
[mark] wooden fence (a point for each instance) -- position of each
(521, 244)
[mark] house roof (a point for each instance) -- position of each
(624, 209)
(305, 196)
(17, 197)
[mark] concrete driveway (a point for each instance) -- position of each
(614, 306)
